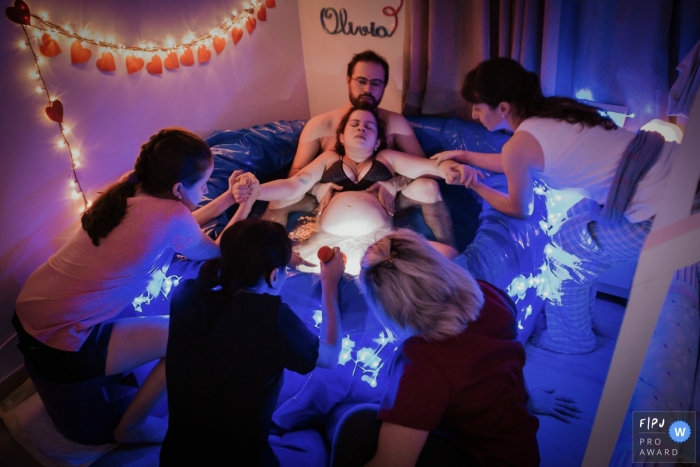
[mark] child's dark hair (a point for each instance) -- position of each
(170, 156)
(381, 129)
(250, 250)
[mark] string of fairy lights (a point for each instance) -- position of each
(47, 34)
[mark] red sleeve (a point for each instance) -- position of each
(417, 394)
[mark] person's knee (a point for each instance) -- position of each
(424, 190)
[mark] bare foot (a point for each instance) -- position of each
(150, 431)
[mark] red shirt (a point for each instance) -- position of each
(469, 387)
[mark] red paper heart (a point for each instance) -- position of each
(78, 53)
(106, 63)
(262, 13)
(270, 3)
(219, 44)
(236, 34)
(171, 61)
(19, 13)
(250, 24)
(203, 54)
(187, 58)
(55, 111)
(155, 66)
(133, 64)
(49, 46)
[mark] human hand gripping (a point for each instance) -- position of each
(333, 269)
(323, 193)
(544, 401)
(457, 155)
(461, 174)
(386, 194)
(242, 185)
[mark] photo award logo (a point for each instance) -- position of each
(664, 437)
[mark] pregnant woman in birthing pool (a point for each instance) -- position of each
(358, 161)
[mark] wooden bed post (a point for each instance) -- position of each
(672, 244)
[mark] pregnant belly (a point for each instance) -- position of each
(353, 214)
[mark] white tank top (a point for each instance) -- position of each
(584, 159)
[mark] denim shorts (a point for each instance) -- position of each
(62, 366)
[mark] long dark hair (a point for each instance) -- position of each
(170, 156)
(381, 129)
(505, 80)
(250, 250)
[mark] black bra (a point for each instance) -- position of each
(378, 172)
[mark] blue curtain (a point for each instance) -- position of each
(620, 52)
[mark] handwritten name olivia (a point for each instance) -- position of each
(336, 22)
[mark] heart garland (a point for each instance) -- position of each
(78, 53)
(155, 66)
(187, 57)
(49, 47)
(106, 63)
(236, 35)
(171, 62)
(133, 64)
(19, 13)
(55, 111)
(203, 54)
(219, 44)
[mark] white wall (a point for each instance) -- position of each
(261, 79)
(326, 55)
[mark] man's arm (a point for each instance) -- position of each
(404, 137)
(309, 143)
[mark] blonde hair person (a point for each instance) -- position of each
(455, 394)
(421, 293)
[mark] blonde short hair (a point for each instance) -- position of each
(417, 288)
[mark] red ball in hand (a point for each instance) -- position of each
(325, 253)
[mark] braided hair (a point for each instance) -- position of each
(505, 80)
(170, 156)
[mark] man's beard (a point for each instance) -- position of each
(371, 103)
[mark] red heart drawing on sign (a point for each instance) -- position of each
(78, 53)
(19, 13)
(270, 3)
(236, 34)
(49, 46)
(133, 64)
(171, 61)
(106, 63)
(203, 54)
(55, 111)
(219, 44)
(187, 58)
(262, 13)
(155, 66)
(250, 24)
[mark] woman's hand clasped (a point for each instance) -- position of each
(460, 174)
(244, 186)
(457, 155)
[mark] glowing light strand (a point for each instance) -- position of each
(75, 178)
(236, 21)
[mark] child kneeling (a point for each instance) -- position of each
(230, 338)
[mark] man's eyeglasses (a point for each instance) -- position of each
(362, 82)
